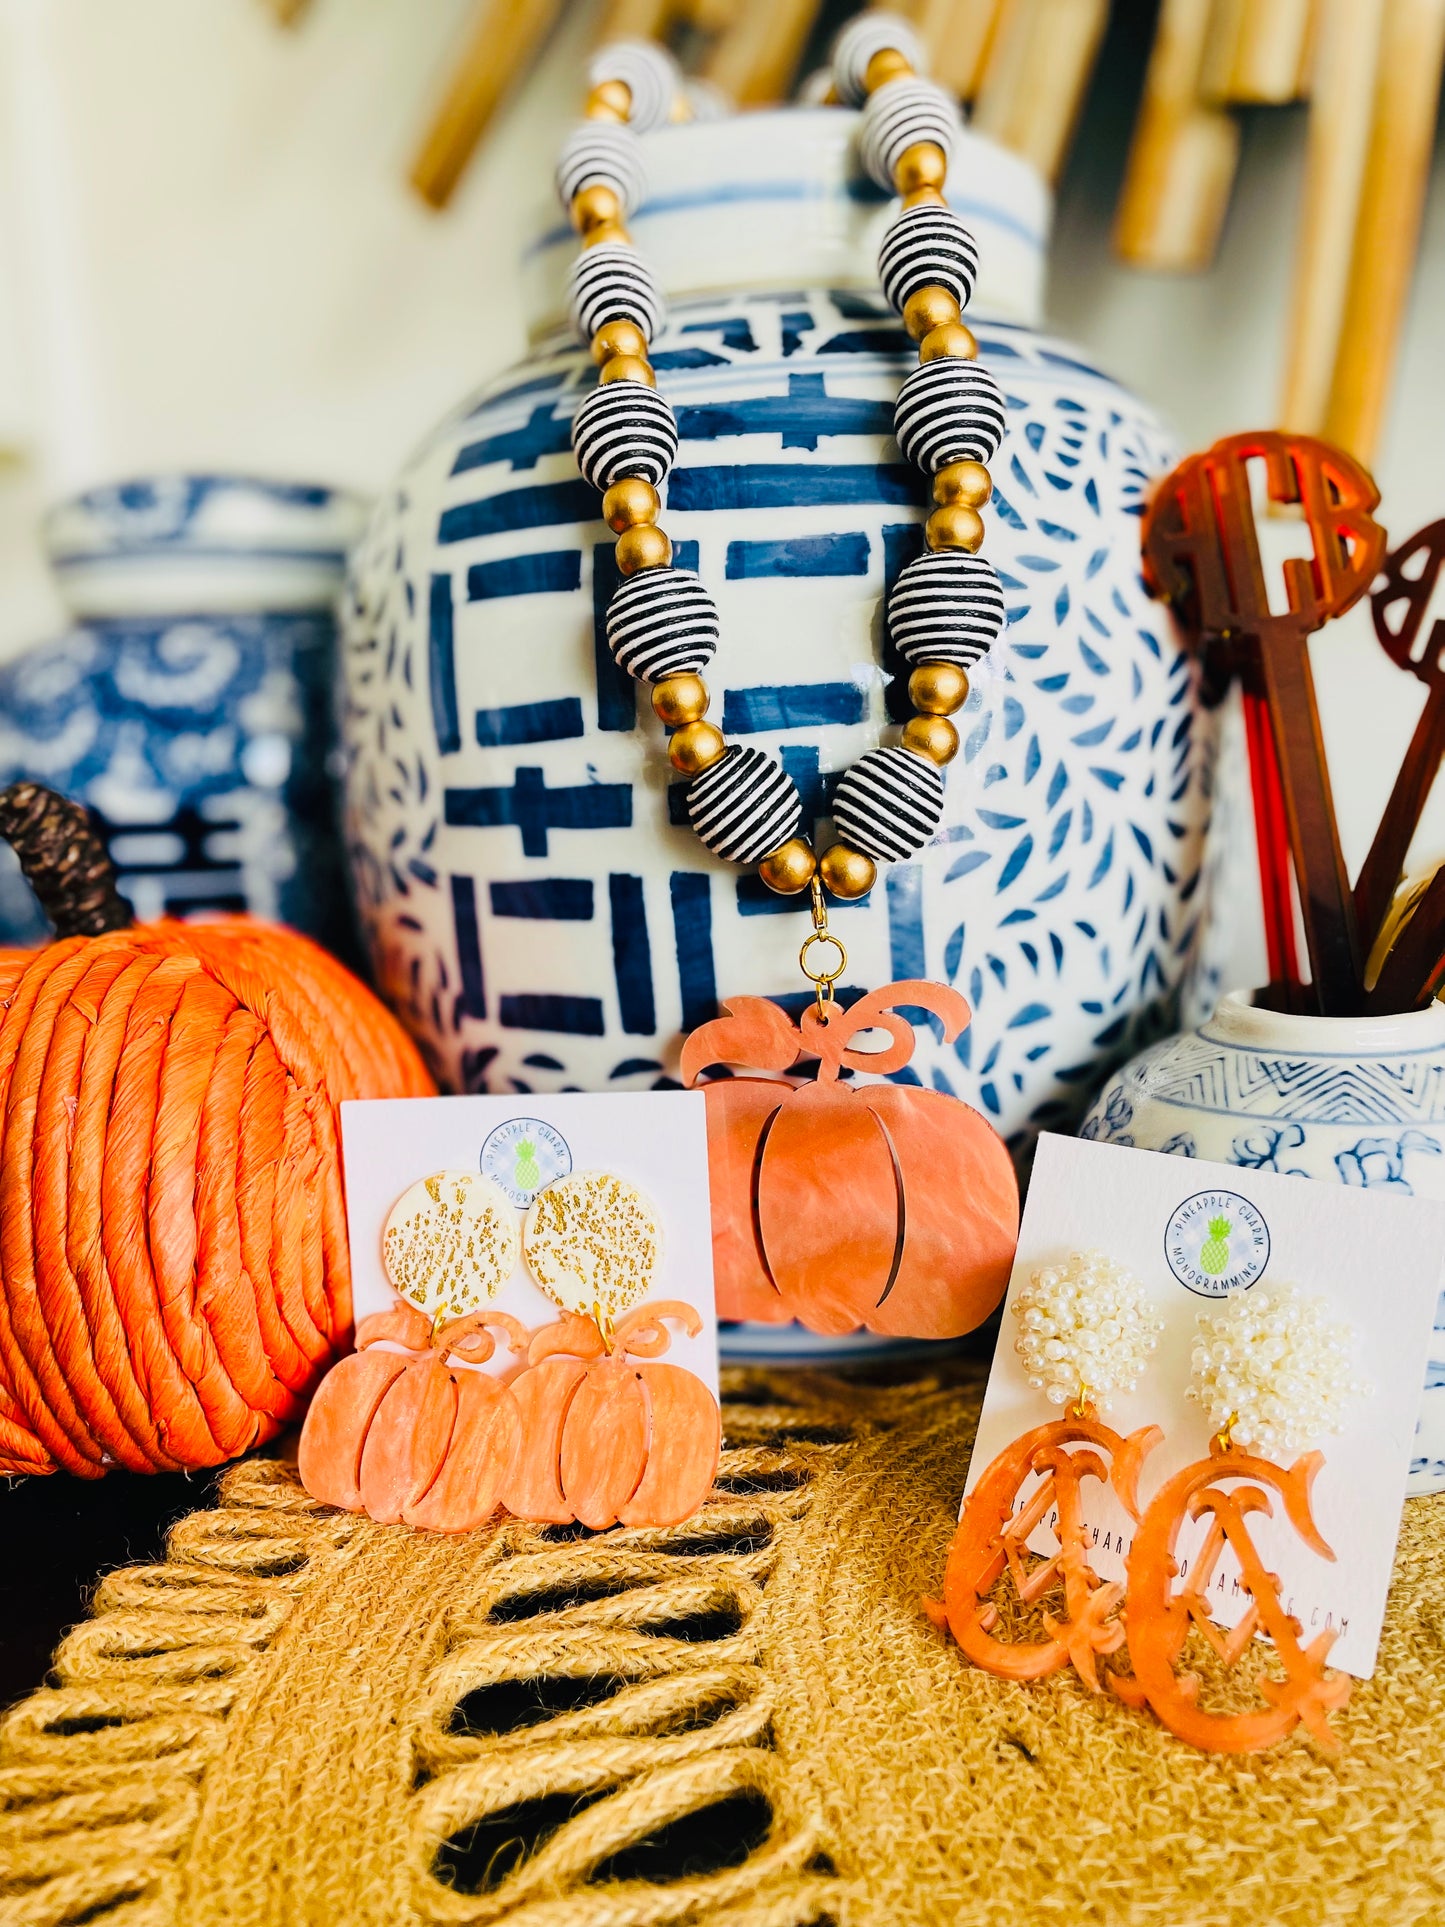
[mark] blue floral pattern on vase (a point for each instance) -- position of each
(536, 905)
(201, 745)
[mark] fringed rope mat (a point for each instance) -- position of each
(302, 1717)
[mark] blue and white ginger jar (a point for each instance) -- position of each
(1351, 1100)
(538, 910)
(191, 705)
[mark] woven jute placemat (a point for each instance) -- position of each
(745, 1721)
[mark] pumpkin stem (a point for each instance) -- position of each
(829, 1038)
(403, 1324)
(643, 1333)
(471, 1336)
(64, 861)
(573, 1334)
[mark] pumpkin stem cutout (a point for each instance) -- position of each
(886, 1207)
(993, 1536)
(407, 1436)
(606, 1441)
(1159, 1619)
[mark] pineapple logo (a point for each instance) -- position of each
(524, 1155)
(1216, 1242)
(1214, 1252)
(526, 1172)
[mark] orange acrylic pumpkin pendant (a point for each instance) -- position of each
(607, 1441)
(409, 1436)
(992, 1537)
(886, 1207)
(1158, 1619)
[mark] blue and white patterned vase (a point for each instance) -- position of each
(537, 907)
(1352, 1100)
(191, 706)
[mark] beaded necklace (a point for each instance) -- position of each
(945, 609)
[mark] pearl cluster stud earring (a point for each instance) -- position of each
(1085, 1330)
(1272, 1371)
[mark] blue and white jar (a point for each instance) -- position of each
(191, 704)
(537, 907)
(1352, 1100)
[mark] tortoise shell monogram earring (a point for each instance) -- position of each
(1085, 1333)
(1272, 1373)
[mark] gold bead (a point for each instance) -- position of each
(628, 504)
(643, 547)
(938, 688)
(595, 237)
(932, 736)
(696, 746)
(954, 526)
(952, 341)
(628, 368)
(966, 482)
(927, 309)
(595, 206)
(609, 100)
(680, 699)
(924, 197)
(923, 165)
(887, 64)
(847, 873)
(618, 338)
(789, 869)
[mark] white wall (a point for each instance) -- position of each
(209, 257)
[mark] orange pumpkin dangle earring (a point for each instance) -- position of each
(1085, 1332)
(407, 1429)
(1273, 1373)
(607, 1439)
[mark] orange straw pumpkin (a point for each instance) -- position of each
(886, 1206)
(406, 1436)
(605, 1441)
(174, 1274)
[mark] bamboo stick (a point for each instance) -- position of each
(500, 43)
(1183, 156)
(1257, 51)
(633, 20)
(755, 60)
(1387, 227)
(1341, 109)
(958, 35)
(285, 13)
(1040, 61)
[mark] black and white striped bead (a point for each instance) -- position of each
(947, 606)
(900, 115)
(662, 622)
(889, 804)
(949, 411)
(867, 34)
(927, 247)
(745, 805)
(612, 282)
(602, 153)
(624, 428)
(650, 75)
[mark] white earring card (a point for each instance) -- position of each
(1192, 1233)
(627, 1171)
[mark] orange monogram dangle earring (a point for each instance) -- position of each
(1272, 1374)
(1085, 1332)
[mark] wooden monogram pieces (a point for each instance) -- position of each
(1202, 551)
(886, 1206)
